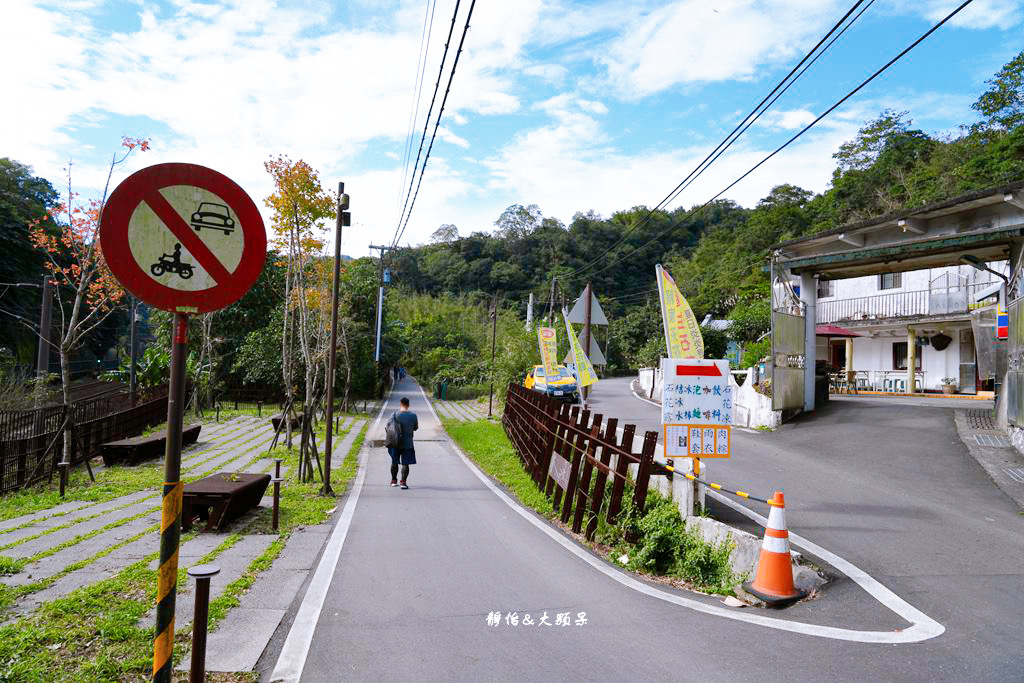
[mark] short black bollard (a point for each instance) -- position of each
(277, 491)
(202, 574)
(63, 476)
(259, 408)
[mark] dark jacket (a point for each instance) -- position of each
(407, 424)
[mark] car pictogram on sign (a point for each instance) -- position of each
(213, 215)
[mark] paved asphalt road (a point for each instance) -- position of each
(889, 488)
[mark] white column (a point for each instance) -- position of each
(809, 295)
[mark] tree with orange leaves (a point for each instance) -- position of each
(86, 292)
(299, 205)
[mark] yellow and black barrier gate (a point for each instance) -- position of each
(718, 487)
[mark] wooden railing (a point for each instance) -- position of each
(561, 446)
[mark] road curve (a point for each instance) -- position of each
(420, 572)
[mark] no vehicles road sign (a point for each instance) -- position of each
(183, 238)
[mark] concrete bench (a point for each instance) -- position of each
(138, 448)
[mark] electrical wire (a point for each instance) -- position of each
(806, 128)
(421, 72)
(736, 132)
(430, 111)
(437, 123)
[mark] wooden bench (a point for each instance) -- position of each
(138, 448)
(221, 498)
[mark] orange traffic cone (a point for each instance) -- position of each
(774, 580)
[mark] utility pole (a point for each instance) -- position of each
(380, 299)
(45, 323)
(551, 303)
(585, 392)
(529, 313)
(133, 378)
(344, 218)
(494, 337)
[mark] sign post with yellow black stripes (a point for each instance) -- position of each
(185, 239)
(170, 517)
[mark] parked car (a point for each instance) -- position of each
(561, 385)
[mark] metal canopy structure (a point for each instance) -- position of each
(986, 225)
(982, 224)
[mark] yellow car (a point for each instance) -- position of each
(561, 386)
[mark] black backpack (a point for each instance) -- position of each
(392, 431)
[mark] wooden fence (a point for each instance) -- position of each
(32, 441)
(562, 446)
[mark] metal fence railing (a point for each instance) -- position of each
(32, 440)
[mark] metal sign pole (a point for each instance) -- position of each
(333, 350)
(170, 518)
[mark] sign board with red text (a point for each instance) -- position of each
(183, 238)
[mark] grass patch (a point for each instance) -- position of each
(93, 634)
(11, 565)
(485, 442)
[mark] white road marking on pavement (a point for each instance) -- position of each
(1015, 473)
(643, 398)
(871, 585)
(429, 404)
(922, 628)
(293, 655)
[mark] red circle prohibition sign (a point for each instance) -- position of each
(144, 187)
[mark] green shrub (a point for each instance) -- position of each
(661, 539)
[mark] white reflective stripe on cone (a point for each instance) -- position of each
(777, 518)
(775, 545)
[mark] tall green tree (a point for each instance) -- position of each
(24, 199)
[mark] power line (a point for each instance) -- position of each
(736, 132)
(421, 71)
(426, 123)
(806, 128)
(437, 123)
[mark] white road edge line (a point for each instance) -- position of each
(292, 659)
(922, 626)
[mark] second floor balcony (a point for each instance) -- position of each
(932, 302)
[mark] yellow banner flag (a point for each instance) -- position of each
(585, 374)
(682, 332)
(548, 349)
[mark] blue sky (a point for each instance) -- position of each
(573, 106)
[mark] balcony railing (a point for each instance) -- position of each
(940, 301)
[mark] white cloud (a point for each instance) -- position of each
(980, 14)
(787, 120)
(690, 41)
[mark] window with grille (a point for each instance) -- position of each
(890, 280)
(899, 355)
(826, 288)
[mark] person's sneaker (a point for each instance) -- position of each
(394, 482)
(404, 485)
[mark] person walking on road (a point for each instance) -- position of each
(404, 453)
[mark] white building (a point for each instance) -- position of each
(950, 312)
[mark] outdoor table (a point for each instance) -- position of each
(221, 498)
